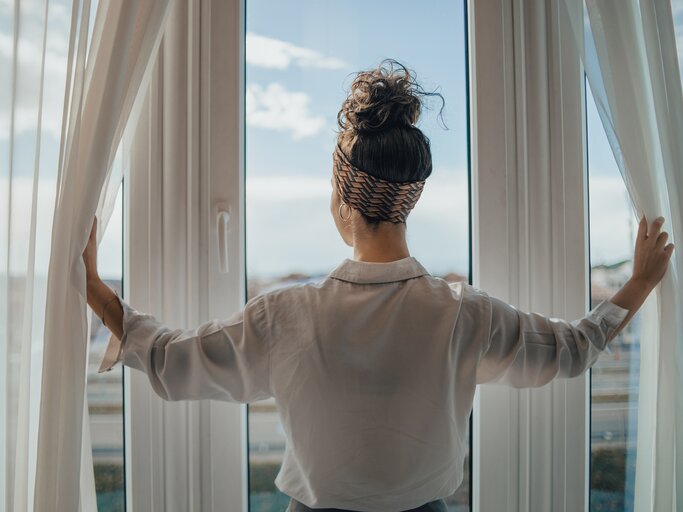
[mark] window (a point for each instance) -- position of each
(614, 378)
(105, 390)
(300, 60)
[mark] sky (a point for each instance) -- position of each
(299, 68)
(301, 56)
(298, 73)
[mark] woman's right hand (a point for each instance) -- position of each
(650, 260)
(652, 254)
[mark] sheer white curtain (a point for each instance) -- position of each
(103, 94)
(631, 63)
(66, 95)
(34, 37)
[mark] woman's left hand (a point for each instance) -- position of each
(90, 253)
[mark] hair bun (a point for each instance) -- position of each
(381, 99)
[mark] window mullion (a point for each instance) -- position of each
(221, 135)
(529, 243)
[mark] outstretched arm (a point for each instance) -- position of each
(529, 349)
(101, 298)
(225, 359)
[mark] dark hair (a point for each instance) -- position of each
(377, 125)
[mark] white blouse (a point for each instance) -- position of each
(373, 370)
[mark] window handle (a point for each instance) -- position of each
(222, 229)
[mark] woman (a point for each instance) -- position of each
(374, 368)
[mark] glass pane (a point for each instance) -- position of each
(614, 379)
(105, 390)
(300, 60)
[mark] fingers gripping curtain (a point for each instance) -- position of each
(102, 93)
(631, 62)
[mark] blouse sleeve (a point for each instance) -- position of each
(529, 350)
(225, 360)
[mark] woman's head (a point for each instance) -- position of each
(381, 158)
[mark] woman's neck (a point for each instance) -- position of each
(384, 244)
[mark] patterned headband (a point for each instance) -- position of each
(372, 196)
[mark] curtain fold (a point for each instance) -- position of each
(103, 92)
(631, 63)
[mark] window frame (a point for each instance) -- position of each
(465, 6)
(521, 56)
(499, 110)
(176, 453)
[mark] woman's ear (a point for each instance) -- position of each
(344, 227)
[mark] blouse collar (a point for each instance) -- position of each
(355, 271)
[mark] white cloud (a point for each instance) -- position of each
(276, 108)
(291, 227)
(269, 189)
(438, 227)
(611, 220)
(445, 192)
(445, 195)
(267, 52)
(292, 215)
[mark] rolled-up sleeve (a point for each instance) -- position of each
(529, 349)
(226, 360)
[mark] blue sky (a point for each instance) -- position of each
(309, 60)
(301, 56)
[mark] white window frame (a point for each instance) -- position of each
(192, 456)
(512, 220)
(530, 245)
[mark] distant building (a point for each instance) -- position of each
(605, 281)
